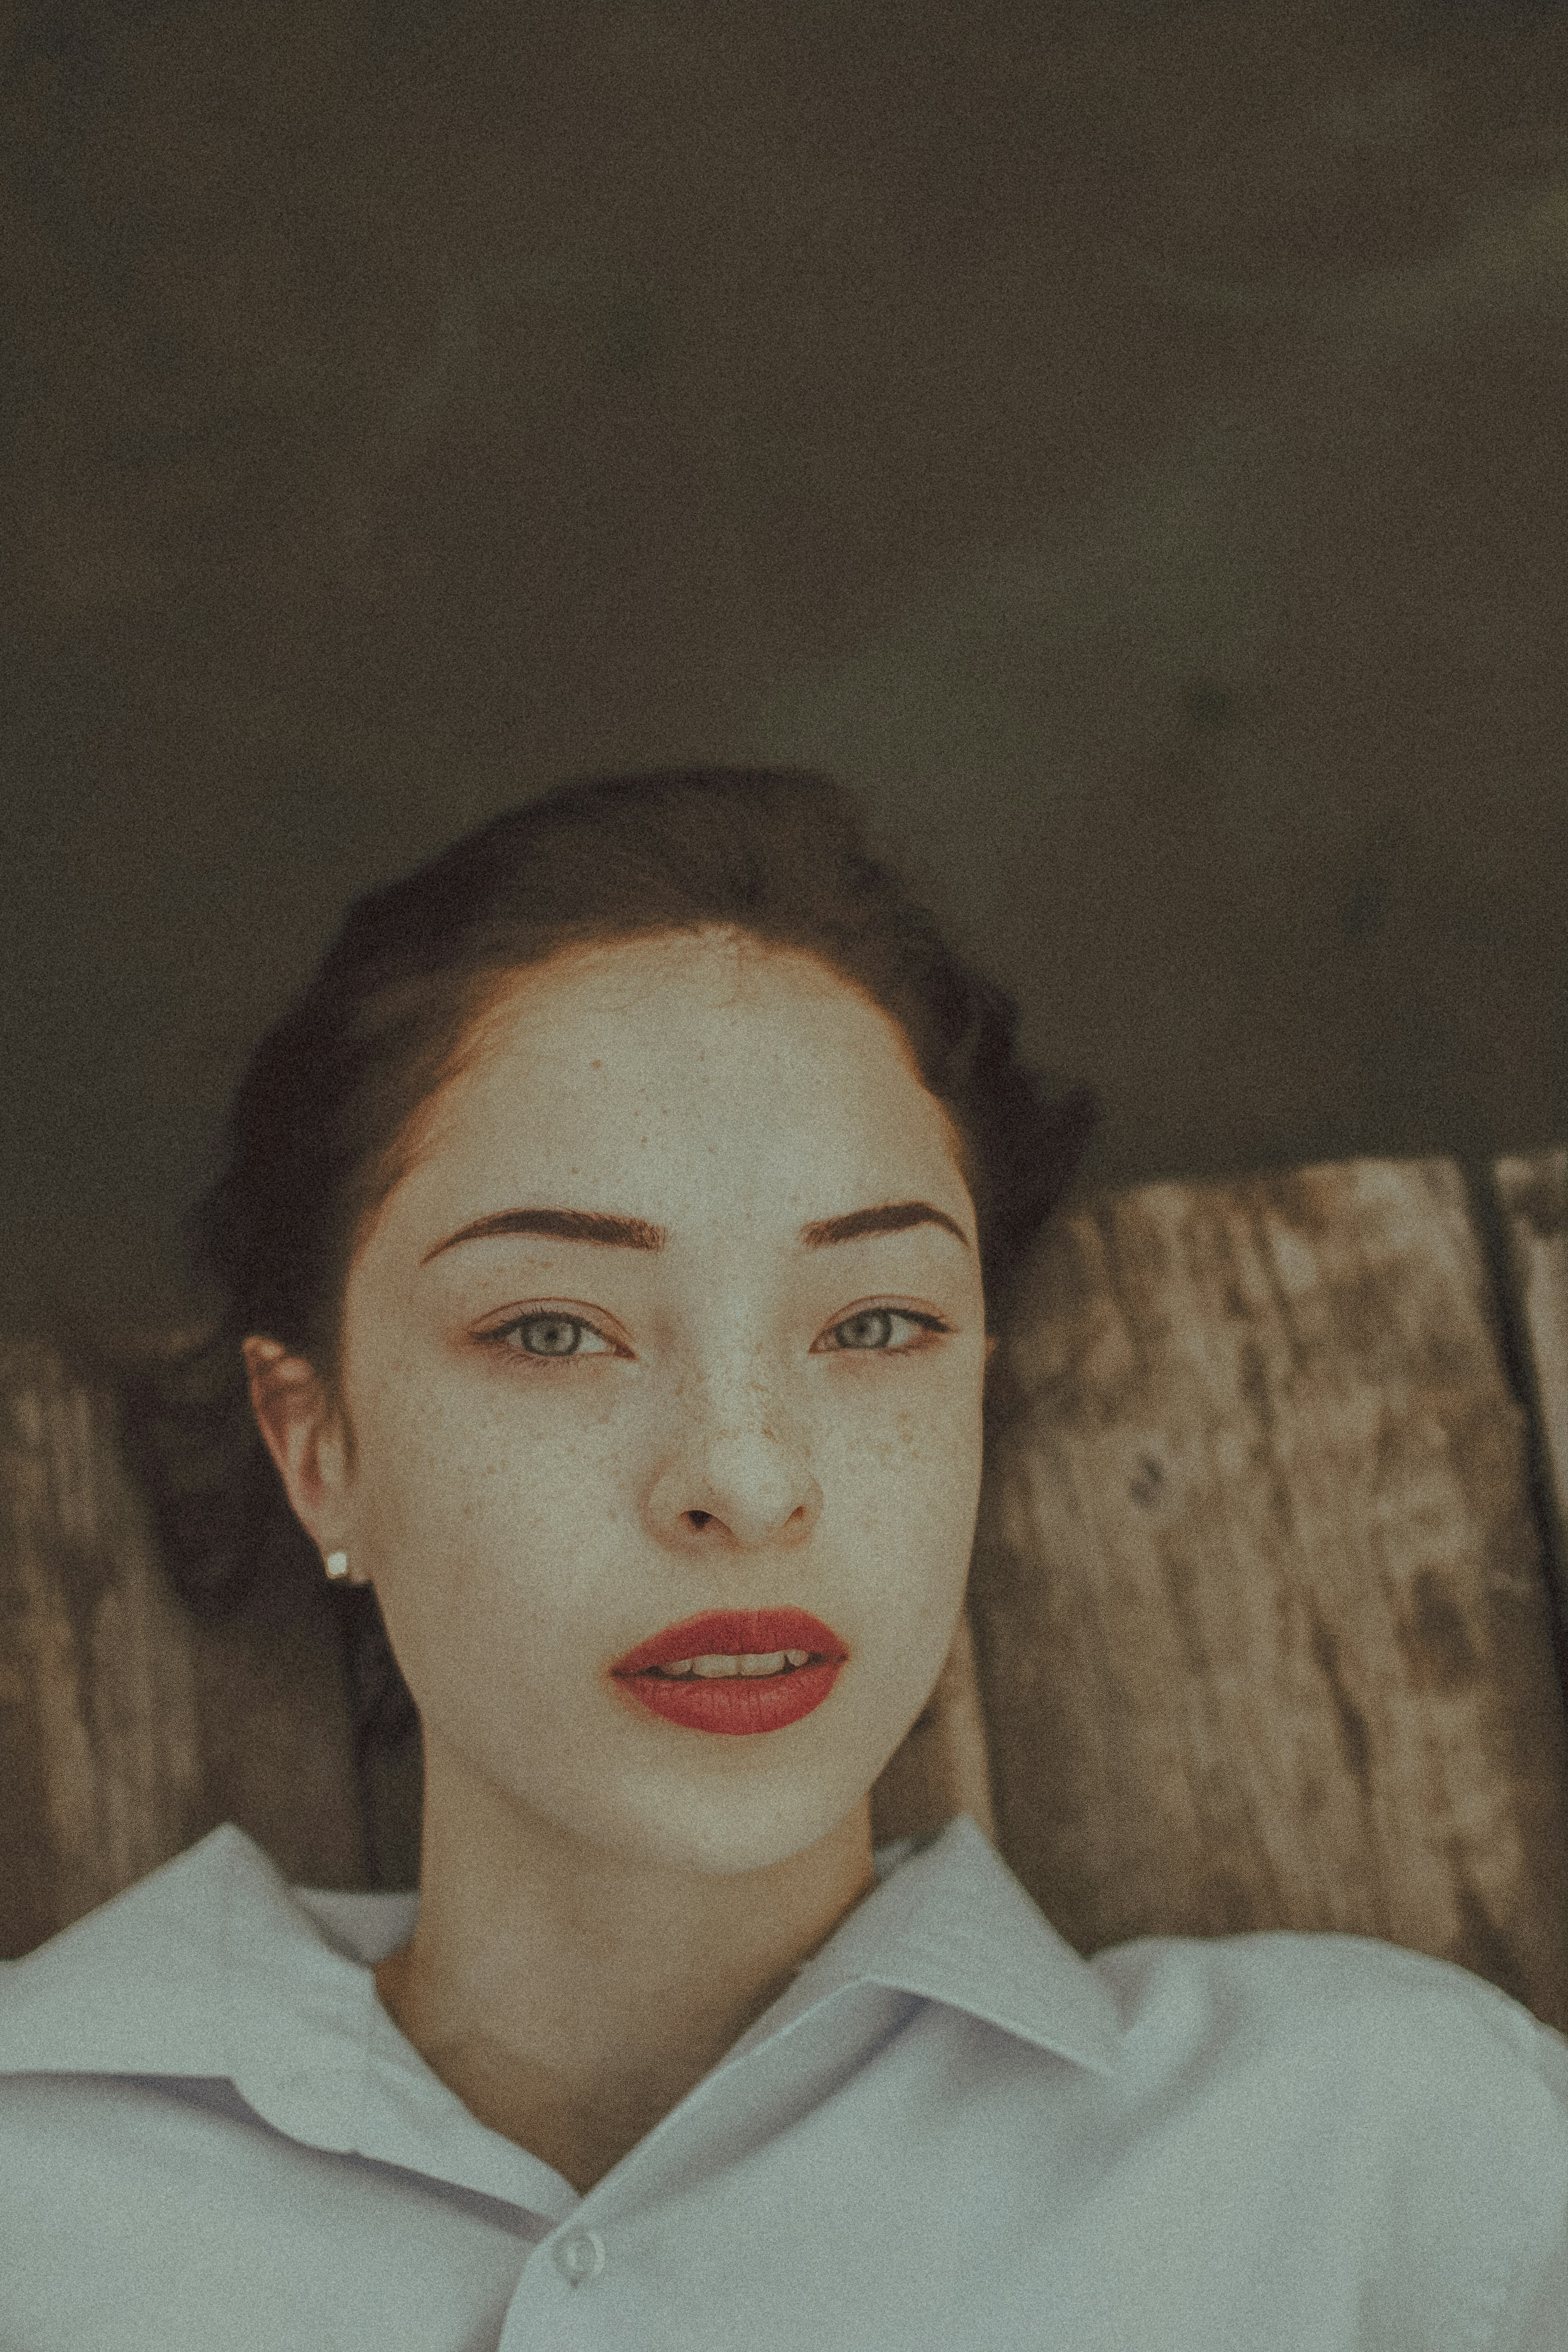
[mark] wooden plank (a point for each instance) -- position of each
(1263, 1635)
(1531, 1194)
(98, 1721)
(126, 1730)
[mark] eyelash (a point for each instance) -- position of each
(932, 1324)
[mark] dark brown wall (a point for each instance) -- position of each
(1129, 440)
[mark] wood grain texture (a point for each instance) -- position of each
(126, 1730)
(1258, 1600)
(1532, 1194)
(98, 1706)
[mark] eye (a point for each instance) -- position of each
(871, 1331)
(550, 1336)
(547, 1337)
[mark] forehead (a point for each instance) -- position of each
(713, 1064)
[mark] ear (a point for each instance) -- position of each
(303, 1437)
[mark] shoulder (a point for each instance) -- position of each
(1380, 2100)
(139, 1984)
(1394, 2040)
(1271, 1988)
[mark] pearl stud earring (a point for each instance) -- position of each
(337, 1563)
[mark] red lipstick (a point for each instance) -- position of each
(735, 1703)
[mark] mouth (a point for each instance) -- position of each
(734, 1670)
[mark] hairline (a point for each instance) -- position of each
(485, 996)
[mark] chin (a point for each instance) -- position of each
(723, 1831)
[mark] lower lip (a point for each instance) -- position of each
(735, 1703)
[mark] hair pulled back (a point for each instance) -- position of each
(329, 1112)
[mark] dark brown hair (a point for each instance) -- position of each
(329, 1112)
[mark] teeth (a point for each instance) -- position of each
(713, 1668)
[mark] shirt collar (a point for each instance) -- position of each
(952, 1924)
(213, 1966)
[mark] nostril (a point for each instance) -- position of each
(699, 1518)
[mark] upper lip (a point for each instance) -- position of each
(732, 1634)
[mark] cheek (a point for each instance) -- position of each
(504, 1524)
(469, 1515)
(908, 1489)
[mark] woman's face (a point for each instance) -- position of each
(565, 1445)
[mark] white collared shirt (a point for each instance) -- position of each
(950, 2131)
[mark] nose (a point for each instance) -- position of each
(743, 1487)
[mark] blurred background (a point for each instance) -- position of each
(1125, 437)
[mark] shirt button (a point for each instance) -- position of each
(580, 2256)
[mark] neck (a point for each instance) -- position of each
(572, 1997)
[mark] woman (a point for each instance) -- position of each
(608, 1236)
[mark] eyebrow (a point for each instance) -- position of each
(633, 1232)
